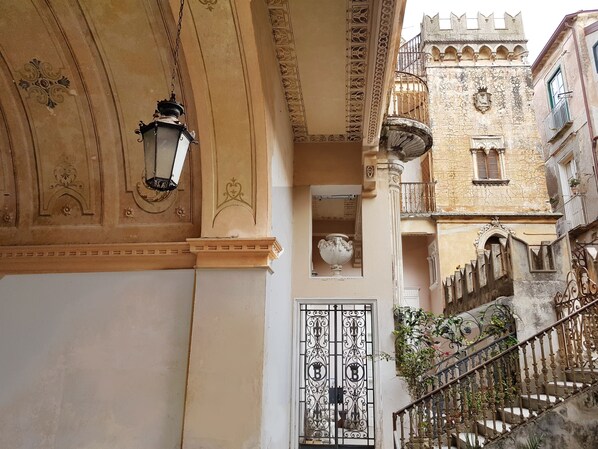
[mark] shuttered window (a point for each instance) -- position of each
(488, 164)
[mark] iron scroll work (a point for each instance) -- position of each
(336, 391)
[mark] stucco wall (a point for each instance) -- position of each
(94, 360)
(574, 141)
(415, 267)
(374, 286)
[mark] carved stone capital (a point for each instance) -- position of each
(235, 252)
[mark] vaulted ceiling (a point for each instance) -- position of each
(77, 77)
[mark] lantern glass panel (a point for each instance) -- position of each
(183, 145)
(149, 148)
(166, 146)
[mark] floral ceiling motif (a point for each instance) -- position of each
(41, 81)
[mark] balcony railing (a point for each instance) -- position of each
(560, 114)
(411, 58)
(557, 119)
(418, 198)
(409, 98)
(573, 208)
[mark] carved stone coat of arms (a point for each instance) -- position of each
(482, 100)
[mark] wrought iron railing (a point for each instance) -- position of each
(510, 388)
(560, 114)
(485, 335)
(411, 58)
(556, 120)
(418, 197)
(409, 98)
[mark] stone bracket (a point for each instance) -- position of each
(235, 252)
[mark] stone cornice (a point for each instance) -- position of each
(95, 258)
(511, 217)
(194, 253)
(234, 252)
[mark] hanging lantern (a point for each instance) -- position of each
(165, 144)
(166, 140)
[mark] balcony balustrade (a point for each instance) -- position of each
(409, 98)
(406, 129)
(418, 198)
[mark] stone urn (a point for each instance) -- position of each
(336, 250)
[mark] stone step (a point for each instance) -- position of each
(562, 387)
(582, 375)
(491, 428)
(539, 401)
(515, 415)
(467, 440)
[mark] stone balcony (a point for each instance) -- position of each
(406, 129)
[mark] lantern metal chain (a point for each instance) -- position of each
(176, 48)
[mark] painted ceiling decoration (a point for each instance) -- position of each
(332, 56)
(353, 69)
(75, 82)
(42, 81)
(77, 76)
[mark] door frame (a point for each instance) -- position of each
(295, 367)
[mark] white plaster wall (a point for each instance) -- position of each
(278, 329)
(375, 285)
(226, 366)
(415, 267)
(94, 360)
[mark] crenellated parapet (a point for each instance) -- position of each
(478, 39)
(502, 270)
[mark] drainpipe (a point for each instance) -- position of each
(593, 137)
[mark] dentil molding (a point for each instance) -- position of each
(194, 253)
(235, 252)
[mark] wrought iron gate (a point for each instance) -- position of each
(336, 388)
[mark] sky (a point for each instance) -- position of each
(540, 17)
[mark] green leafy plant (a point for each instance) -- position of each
(533, 442)
(574, 182)
(416, 343)
(422, 339)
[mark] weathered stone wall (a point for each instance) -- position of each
(454, 120)
(574, 140)
(572, 425)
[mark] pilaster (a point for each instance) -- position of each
(395, 170)
(224, 400)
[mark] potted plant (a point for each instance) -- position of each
(574, 185)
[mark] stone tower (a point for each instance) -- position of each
(485, 166)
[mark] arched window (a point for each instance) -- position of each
(488, 164)
(493, 239)
(488, 154)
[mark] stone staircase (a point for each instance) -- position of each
(513, 388)
(555, 393)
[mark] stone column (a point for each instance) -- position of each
(225, 386)
(395, 169)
